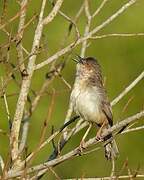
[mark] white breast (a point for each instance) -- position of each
(86, 103)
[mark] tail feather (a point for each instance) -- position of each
(111, 150)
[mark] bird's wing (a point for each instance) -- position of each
(106, 107)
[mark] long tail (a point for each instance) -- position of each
(111, 149)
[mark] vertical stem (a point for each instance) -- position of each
(25, 88)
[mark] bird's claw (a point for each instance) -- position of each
(99, 137)
(81, 147)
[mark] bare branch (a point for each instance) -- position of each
(2, 163)
(90, 34)
(25, 87)
(113, 17)
(99, 8)
(20, 35)
(53, 13)
(117, 35)
(6, 103)
(133, 129)
(113, 177)
(87, 28)
(13, 18)
(75, 152)
(127, 89)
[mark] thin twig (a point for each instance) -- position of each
(87, 27)
(99, 8)
(13, 18)
(20, 35)
(108, 178)
(75, 152)
(127, 89)
(90, 34)
(6, 104)
(133, 129)
(2, 163)
(117, 35)
(53, 13)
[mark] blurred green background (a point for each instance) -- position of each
(122, 60)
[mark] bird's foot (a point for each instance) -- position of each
(81, 147)
(99, 137)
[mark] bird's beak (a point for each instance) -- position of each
(78, 59)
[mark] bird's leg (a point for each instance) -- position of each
(81, 146)
(98, 135)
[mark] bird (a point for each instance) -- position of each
(90, 101)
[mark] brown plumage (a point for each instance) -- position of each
(90, 101)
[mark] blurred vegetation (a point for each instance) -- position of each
(122, 60)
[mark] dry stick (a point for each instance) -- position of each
(87, 28)
(113, 167)
(57, 149)
(133, 129)
(27, 80)
(53, 13)
(10, 75)
(43, 132)
(117, 35)
(20, 35)
(13, 18)
(53, 156)
(99, 9)
(76, 18)
(4, 11)
(64, 81)
(72, 22)
(6, 103)
(50, 139)
(14, 39)
(24, 135)
(2, 164)
(51, 170)
(43, 144)
(51, 75)
(72, 132)
(127, 89)
(8, 117)
(127, 104)
(75, 152)
(45, 126)
(49, 114)
(79, 13)
(109, 178)
(95, 30)
(25, 88)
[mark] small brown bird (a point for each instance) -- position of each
(89, 100)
